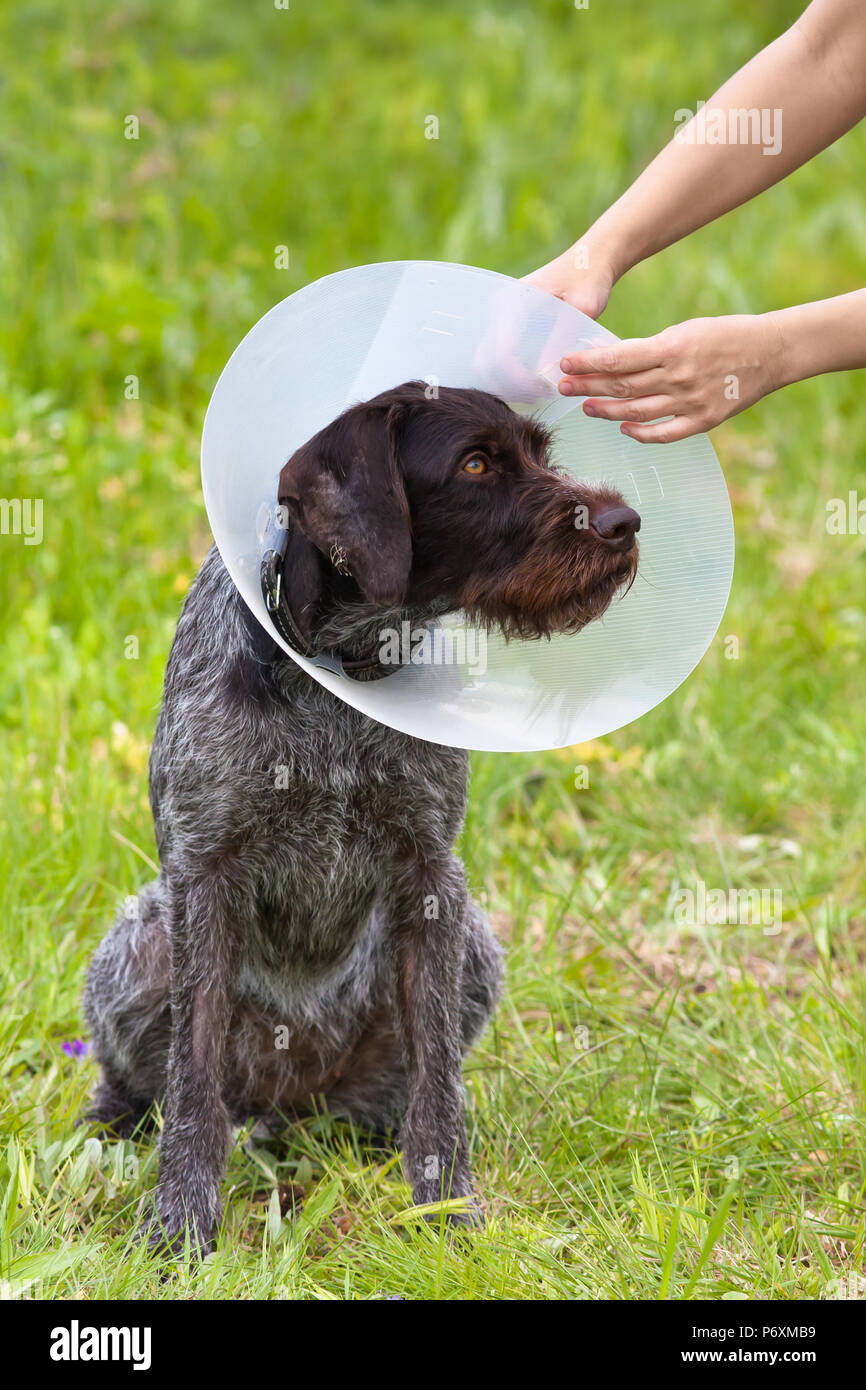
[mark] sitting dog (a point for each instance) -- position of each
(310, 933)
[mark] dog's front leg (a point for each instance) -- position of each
(197, 1131)
(427, 937)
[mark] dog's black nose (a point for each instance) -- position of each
(617, 527)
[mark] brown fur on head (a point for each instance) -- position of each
(450, 500)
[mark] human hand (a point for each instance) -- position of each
(579, 276)
(699, 372)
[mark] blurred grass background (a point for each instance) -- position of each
(658, 1111)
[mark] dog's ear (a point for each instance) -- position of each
(345, 491)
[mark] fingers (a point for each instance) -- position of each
(646, 408)
(630, 355)
(677, 374)
(665, 431)
(623, 387)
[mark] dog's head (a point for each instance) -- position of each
(450, 500)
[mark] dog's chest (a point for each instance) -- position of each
(341, 827)
(352, 814)
(336, 826)
(342, 781)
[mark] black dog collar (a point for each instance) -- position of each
(280, 613)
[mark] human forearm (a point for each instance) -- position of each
(813, 74)
(693, 375)
(810, 339)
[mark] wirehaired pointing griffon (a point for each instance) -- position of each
(308, 887)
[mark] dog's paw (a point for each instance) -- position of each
(468, 1218)
(115, 1115)
(126, 1126)
(167, 1231)
(462, 1224)
(459, 1208)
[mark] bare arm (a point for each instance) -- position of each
(701, 372)
(808, 88)
(814, 75)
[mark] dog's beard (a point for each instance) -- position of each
(527, 607)
(564, 581)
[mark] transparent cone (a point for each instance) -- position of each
(351, 335)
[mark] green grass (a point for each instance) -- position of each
(658, 1112)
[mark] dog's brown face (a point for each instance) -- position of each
(453, 498)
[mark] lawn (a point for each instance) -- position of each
(661, 1111)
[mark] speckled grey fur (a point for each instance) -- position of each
(310, 932)
(282, 897)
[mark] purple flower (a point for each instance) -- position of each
(76, 1048)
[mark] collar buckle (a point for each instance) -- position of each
(276, 541)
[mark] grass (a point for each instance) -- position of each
(660, 1111)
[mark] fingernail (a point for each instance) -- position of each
(566, 388)
(590, 410)
(565, 364)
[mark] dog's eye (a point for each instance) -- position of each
(476, 465)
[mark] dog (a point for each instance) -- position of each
(310, 935)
